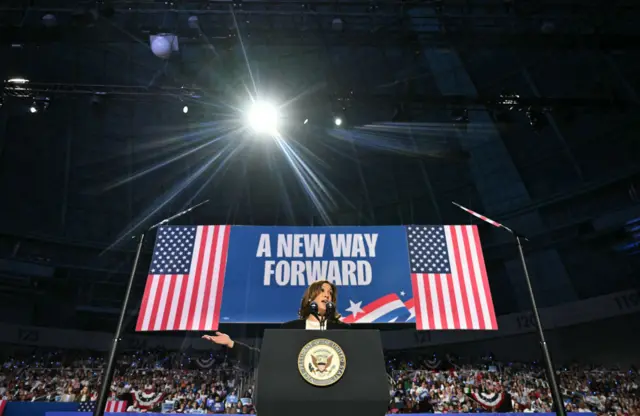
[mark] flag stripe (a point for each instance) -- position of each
(178, 294)
(208, 300)
(185, 301)
(429, 297)
(162, 310)
(468, 285)
(117, 406)
(418, 301)
(451, 287)
(188, 299)
(152, 283)
(182, 295)
(481, 273)
(170, 304)
(460, 298)
(456, 272)
(193, 318)
(436, 298)
(143, 305)
(446, 299)
(154, 300)
(205, 279)
(203, 307)
(462, 275)
(426, 308)
(223, 247)
(161, 303)
(473, 277)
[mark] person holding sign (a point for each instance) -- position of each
(312, 315)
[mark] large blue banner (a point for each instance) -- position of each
(201, 276)
(268, 269)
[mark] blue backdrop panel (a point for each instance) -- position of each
(38, 408)
(268, 269)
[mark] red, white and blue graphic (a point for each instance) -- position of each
(203, 275)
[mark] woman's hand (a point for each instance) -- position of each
(220, 339)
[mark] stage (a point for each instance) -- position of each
(70, 409)
(414, 414)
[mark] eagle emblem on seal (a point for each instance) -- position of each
(322, 362)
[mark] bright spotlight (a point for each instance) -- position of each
(263, 117)
(185, 109)
(337, 121)
(33, 109)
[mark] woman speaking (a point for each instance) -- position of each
(317, 312)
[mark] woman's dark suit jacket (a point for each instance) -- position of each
(302, 324)
(248, 356)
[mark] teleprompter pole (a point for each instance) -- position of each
(108, 374)
(117, 338)
(558, 403)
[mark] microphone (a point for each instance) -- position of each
(330, 310)
(313, 308)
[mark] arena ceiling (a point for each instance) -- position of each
(442, 100)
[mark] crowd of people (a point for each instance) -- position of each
(192, 383)
(147, 381)
(442, 386)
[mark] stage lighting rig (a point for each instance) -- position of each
(509, 99)
(536, 118)
(263, 117)
(39, 104)
(17, 87)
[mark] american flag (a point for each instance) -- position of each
(184, 286)
(113, 406)
(449, 279)
(3, 404)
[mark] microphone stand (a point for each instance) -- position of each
(318, 317)
(108, 374)
(558, 403)
(323, 322)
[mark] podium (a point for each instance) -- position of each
(361, 388)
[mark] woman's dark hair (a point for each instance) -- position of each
(311, 293)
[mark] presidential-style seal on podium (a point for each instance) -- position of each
(322, 362)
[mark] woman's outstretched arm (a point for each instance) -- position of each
(246, 355)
